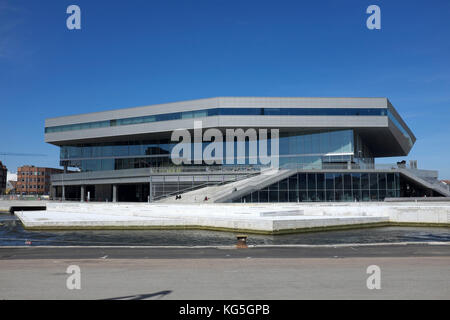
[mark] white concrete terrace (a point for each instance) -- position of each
(257, 218)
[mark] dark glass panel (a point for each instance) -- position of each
(320, 195)
(283, 196)
(373, 195)
(303, 195)
(348, 195)
(274, 187)
(338, 183)
(365, 181)
(373, 181)
(338, 195)
(311, 181)
(283, 184)
(356, 180)
(293, 182)
(312, 195)
(365, 195)
(263, 196)
(356, 195)
(381, 194)
(273, 196)
(320, 181)
(302, 181)
(347, 181)
(329, 195)
(382, 180)
(391, 181)
(329, 181)
(293, 196)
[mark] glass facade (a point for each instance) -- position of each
(401, 128)
(309, 150)
(329, 186)
(223, 112)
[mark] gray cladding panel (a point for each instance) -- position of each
(319, 122)
(228, 102)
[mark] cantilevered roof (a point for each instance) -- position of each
(374, 118)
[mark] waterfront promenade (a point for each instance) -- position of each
(412, 271)
(261, 218)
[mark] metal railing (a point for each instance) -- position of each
(206, 184)
(342, 166)
(142, 172)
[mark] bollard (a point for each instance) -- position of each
(241, 241)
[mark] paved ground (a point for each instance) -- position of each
(407, 272)
(393, 250)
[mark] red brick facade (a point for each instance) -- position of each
(3, 174)
(34, 180)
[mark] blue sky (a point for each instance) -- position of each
(132, 53)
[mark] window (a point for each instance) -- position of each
(231, 112)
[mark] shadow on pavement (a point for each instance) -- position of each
(159, 294)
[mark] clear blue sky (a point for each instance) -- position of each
(132, 53)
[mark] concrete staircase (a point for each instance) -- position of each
(233, 190)
(429, 182)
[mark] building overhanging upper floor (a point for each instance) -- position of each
(375, 120)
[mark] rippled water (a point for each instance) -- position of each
(13, 233)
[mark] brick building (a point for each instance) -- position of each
(34, 180)
(3, 175)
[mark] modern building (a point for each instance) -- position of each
(325, 149)
(33, 180)
(3, 177)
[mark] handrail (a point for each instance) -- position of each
(209, 183)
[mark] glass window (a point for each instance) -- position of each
(348, 195)
(365, 181)
(347, 181)
(382, 180)
(312, 195)
(338, 183)
(311, 181)
(338, 195)
(320, 181)
(120, 149)
(263, 196)
(329, 181)
(356, 180)
(274, 187)
(391, 181)
(315, 143)
(356, 195)
(293, 182)
(293, 195)
(302, 181)
(273, 196)
(320, 195)
(234, 112)
(381, 194)
(283, 196)
(303, 195)
(373, 181)
(329, 195)
(307, 144)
